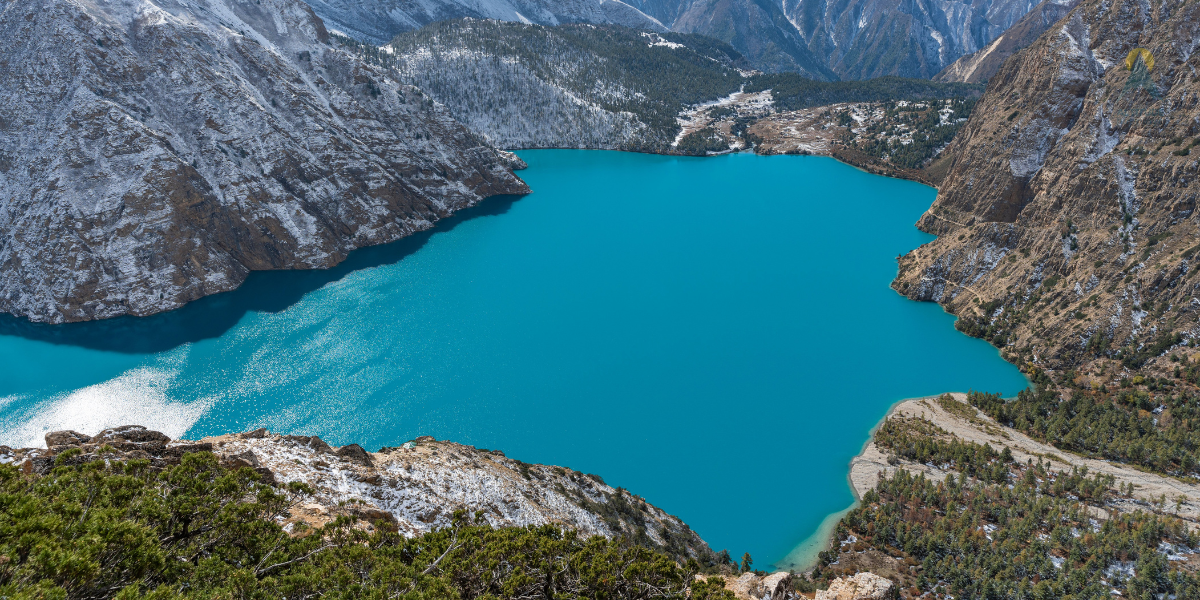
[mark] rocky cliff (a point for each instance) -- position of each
(415, 487)
(871, 38)
(154, 153)
(979, 66)
(1067, 216)
(757, 28)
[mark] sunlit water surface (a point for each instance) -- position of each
(717, 335)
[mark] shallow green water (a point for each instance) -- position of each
(715, 334)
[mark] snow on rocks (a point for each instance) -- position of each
(862, 586)
(413, 488)
(155, 153)
(421, 483)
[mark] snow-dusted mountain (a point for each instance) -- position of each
(758, 29)
(981, 65)
(860, 39)
(377, 21)
(155, 152)
(856, 39)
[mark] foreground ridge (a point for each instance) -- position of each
(415, 487)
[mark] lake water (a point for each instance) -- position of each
(716, 335)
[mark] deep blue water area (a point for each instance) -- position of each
(714, 334)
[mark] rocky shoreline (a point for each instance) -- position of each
(416, 487)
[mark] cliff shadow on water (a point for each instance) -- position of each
(263, 291)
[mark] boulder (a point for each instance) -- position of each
(130, 434)
(761, 587)
(313, 442)
(372, 514)
(266, 476)
(259, 433)
(355, 453)
(862, 586)
(66, 438)
(238, 461)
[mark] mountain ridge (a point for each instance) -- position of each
(1068, 204)
(856, 40)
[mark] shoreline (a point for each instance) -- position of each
(882, 171)
(970, 424)
(803, 556)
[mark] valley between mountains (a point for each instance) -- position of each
(156, 152)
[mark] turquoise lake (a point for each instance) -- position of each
(714, 334)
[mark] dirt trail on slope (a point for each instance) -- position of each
(981, 429)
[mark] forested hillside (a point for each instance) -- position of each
(792, 91)
(572, 86)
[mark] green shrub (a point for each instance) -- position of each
(198, 530)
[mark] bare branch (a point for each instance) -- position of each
(294, 560)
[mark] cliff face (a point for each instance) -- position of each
(981, 65)
(1067, 216)
(757, 28)
(871, 38)
(154, 153)
(414, 488)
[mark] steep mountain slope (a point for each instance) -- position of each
(571, 86)
(154, 153)
(377, 21)
(757, 28)
(816, 38)
(872, 38)
(1067, 218)
(981, 65)
(608, 86)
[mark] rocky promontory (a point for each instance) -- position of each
(417, 487)
(414, 487)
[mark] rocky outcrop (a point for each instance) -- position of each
(981, 65)
(862, 586)
(413, 488)
(1067, 218)
(752, 586)
(154, 153)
